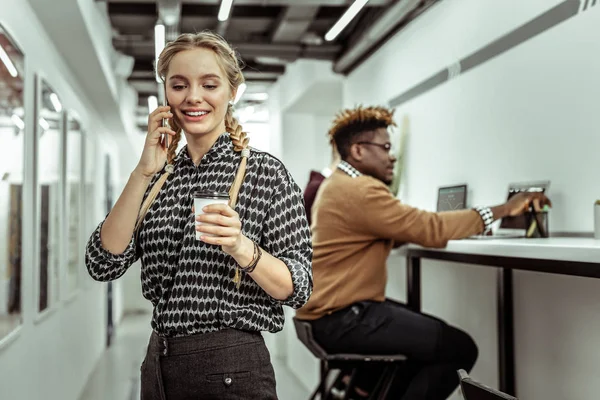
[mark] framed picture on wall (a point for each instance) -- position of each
(108, 201)
(49, 148)
(74, 199)
(12, 164)
(89, 214)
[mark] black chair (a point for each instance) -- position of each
(473, 390)
(350, 362)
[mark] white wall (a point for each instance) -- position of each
(97, 70)
(530, 113)
(275, 128)
(259, 134)
(52, 356)
(302, 105)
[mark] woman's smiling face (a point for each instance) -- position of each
(198, 92)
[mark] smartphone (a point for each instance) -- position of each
(165, 123)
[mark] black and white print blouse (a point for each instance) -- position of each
(189, 282)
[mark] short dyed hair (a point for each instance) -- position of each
(350, 124)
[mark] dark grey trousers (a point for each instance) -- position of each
(223, 365)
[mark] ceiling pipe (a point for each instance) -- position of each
(282, 3)
(144, 49)
(293, 22)
(390, 21)
(224, 17)
(222, 27)
(169, 12)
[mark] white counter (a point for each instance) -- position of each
(578, 249)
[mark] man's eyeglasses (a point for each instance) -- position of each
(386, 146)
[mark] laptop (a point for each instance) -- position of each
(515, 227)
(452, 198)
(472, 390)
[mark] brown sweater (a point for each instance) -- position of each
(355, 223)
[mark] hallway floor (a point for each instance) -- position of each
(116, 376)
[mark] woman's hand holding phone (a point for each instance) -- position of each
(154, 154)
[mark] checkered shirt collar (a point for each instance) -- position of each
(348, 169)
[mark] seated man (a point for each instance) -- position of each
(356, 221)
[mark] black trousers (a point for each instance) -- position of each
(223, 365)
(435, 350)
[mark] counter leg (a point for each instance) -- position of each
(506, 337)
(413, 283)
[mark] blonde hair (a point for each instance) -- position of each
(231, 65)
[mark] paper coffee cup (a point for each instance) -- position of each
(203, 198)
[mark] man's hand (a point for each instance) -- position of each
(521, 203)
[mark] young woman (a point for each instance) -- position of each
(212, 297)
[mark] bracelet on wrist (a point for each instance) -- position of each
(255, 259)
(256, 255)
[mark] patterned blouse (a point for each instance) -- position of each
(189, 282)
